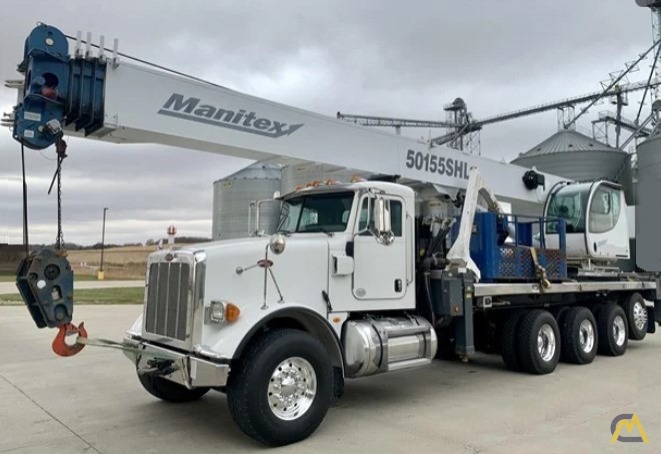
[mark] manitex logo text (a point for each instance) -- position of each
(250, 122)
(629, 422)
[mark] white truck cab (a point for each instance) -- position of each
(341, 249)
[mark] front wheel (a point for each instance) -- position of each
(281, 389)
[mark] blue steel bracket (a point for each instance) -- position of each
(464, 335)
(59, 90)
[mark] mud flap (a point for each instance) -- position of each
(651, 327)
(656, 314)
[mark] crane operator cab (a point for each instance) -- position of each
(595, 218)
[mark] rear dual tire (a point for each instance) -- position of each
(530, 342)
(636, 311)
(613, 330)
(579, 336)
(509, 341)
(539, 342)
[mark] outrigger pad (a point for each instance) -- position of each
(45, 281)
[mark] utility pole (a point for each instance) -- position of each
(101, 274)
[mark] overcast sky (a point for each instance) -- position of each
(376, 57)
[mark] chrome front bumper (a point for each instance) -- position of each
(190, 371)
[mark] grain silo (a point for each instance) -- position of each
(233, 196)
(299, 175)
(648, 212)
(578, 157)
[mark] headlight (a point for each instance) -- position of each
(217, 312)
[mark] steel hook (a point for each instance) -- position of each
(60, 346)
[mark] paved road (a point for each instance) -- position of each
(93, 403)
(10, 287)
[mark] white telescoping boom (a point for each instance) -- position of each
(124, 102)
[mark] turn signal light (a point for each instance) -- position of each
(232, 312)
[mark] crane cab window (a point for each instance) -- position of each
(604, 209)
(568, 204)
(396, 216)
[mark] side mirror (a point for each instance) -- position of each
(382, 225)
(263, 216)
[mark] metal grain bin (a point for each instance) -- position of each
(576, 156)
(648, 209)
(233, 196)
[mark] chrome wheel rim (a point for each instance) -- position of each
(639, 315)
(586, 336)
(619, 330)
(546, 342)
(292, 388)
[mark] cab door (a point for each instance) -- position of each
(608, 230)
(380, 269)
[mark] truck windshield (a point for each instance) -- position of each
(316, 213)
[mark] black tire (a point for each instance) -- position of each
(249, 383)
(508, 341)
(170, 391)
(535, 323)
(579, 334)
(611, 322)
(636, 311)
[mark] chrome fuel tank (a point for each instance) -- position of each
(376, 345)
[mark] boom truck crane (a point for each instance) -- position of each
(361, 278)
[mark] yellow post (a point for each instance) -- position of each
(100, 275)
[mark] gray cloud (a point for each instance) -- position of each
(379, 57)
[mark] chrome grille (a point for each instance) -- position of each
(168, 297)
